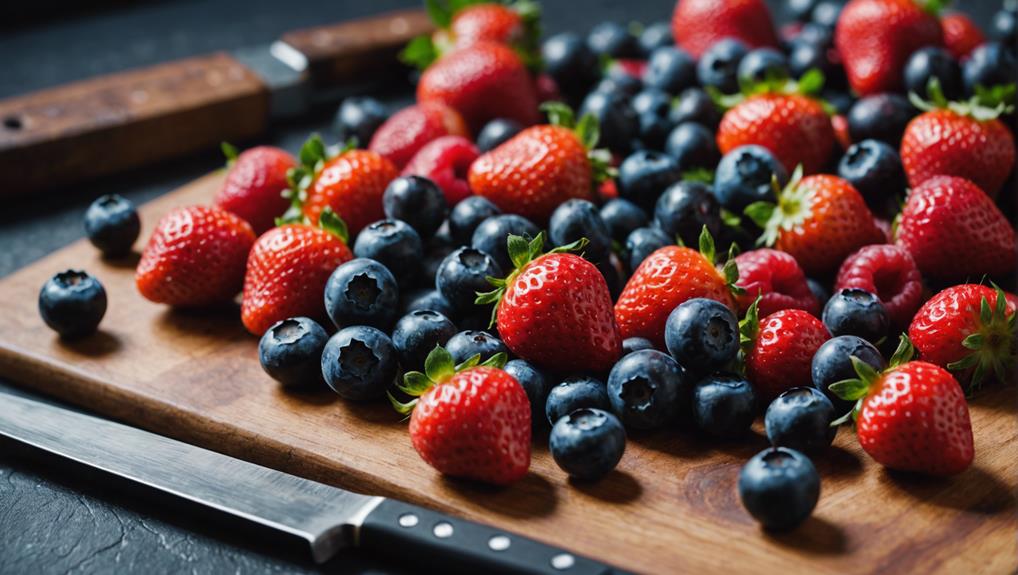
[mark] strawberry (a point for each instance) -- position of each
(839, 123)
(482, 82)
(819, 219)
(970, 330)
(666, 278)
(910, 417)
(195, 257)
(876, 37)
(287, 271)
(542, 166)
(776, 278)
(470, 421)
(778, 350)
(554, 309)
(463, 24)
(961, 35)
(407, 131)
(697, 24)
(964, 139)
(953, 231)
(888, 271)
(254, 185)
(445, 161)
(350, 183)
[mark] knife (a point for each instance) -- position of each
(108, 124)
(326, 518)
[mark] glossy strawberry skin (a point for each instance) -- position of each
(476, 426)
(352, 184)
(445, 161)
(407, 131)
(558, 314)
(953, 230)
(534, 172)
(794, 128)
(195, 257)
(668, 277)
(779, 281)
(697, 24)
(488, 22)
(875, 39)
(254, 186)
(482, 82)
(286, 275)
(782, 352)
(915, 418)
(961, 35)
(889, 272)
(945, 143)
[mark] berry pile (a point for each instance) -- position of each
(804, 224)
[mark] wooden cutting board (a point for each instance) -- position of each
(670, 507)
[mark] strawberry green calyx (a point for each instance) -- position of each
(749, 327)
(987, 103)
(933, 7)
(992, 345)
(857, 388)
(589, 133)
(793, 208)
(332, 223)
(313, 155)
(231, 152)
(729, 269)
(439, 367)
(809, 84)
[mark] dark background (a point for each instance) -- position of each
(50, 520)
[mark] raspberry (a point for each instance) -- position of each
(778, 279)
(445, 161)
(891, 273)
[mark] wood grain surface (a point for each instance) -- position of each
(670, 507)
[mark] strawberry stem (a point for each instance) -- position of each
(439, 368)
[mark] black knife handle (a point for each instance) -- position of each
(461, 546)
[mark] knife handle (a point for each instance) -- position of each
(457, 545)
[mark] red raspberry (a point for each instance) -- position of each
(778, 279)
(547, 89)
(961, 35)
(445, 161)
(407, 131)
(889, 272)
(840, 125)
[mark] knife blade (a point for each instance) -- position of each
(326, 518)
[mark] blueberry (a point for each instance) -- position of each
(433, 259)
(291, 352)
(361, 292)
(394, 244)
(359, 363)
(801, 418)
(685, 208)
(497, 132)
(572, 64)
(762, 64)
(613, 40)
(417, 201)
(1004, 26)
(577, 219)
(427, 299)
(644, 241)
(535, 383)
(724, 405)
(466, 344)
(417, 333)
(670, 70)
(816, 34)
(880, 117)
(467, 215)
(620, 86)
(479, 320)
(72, 303)
(744, 177)
(617, 119)
(634, 344)
(657, 35)
(693, 146)
(779, 487)
(644, 174)
(718, 66)
(819, 291)
(695, 105)
(832, 363)
(854, 311)
(875, 169)
(801, 10)
(587, 443)
(991, 64)
(804, 56)
(826, 12)
(462, 274)
(622, 217)
(653, 110)
(702, 335)
(575, 393)
(492, 235)
(647, 389)
(933, 62)
(112, 225)
(359, 117)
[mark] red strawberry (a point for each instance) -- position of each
(407, 131)
(819, 219)
(779, 350)
(911, 417)
(493, 22)
(554, 309)
(541, 167)
(696, 24)
(970, 330)
(841, 134)
(255, 184)
(445, 161)
(195, 257)
(776, 278)
(961, 35)
(669, 276)
(876, 37)
(288, 269)
(891, 273)
(953, 231)
(469, 421)
(482, 82)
